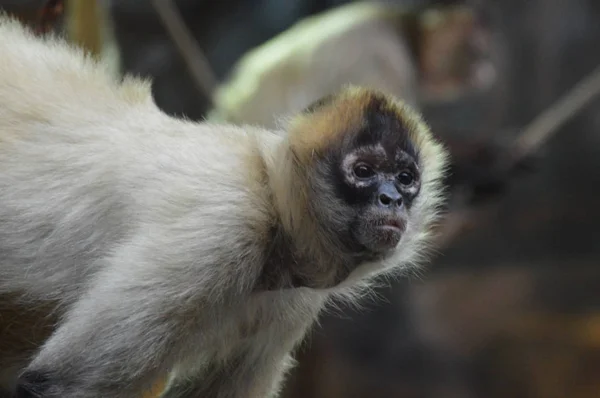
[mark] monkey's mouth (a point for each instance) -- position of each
(395, 223)
(388, 233)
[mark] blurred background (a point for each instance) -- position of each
(510, 305)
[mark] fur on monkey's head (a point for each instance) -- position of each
(364, 173)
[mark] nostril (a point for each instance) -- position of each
(385, 200)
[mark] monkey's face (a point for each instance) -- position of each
(379, 182)
(456, 54)
(375, 174)
(377, 179)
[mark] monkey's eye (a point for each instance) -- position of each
(406, 178)
(363, 171)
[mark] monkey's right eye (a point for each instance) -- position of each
(363, 171)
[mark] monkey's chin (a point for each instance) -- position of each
(386, 237)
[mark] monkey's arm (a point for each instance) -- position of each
(255, 371)
(113, 341)
(249, 375)
(134, 323)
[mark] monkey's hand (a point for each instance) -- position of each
(253, 373)
(481, 168)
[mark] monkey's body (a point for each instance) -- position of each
(142, 244)
(355, 43)
(428, 55)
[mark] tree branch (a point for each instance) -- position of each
(193, 57)
(550, 121)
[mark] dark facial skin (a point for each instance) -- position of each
(383, 186)
(379, 178)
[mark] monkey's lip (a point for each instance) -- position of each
(391, 228)
(393, 224)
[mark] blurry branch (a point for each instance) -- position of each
(538, 131)
(533, 136)
(195, 60)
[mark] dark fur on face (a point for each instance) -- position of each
(375, 175)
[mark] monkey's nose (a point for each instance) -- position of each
(389, 196)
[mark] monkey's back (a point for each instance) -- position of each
(55, 170)
(86, 160)
(88, 164)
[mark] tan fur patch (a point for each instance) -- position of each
(310, 133)
(316, 131)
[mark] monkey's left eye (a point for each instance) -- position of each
(406, 178)
(363, 171)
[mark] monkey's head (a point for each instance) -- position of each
(367, 180)
(456, 53)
